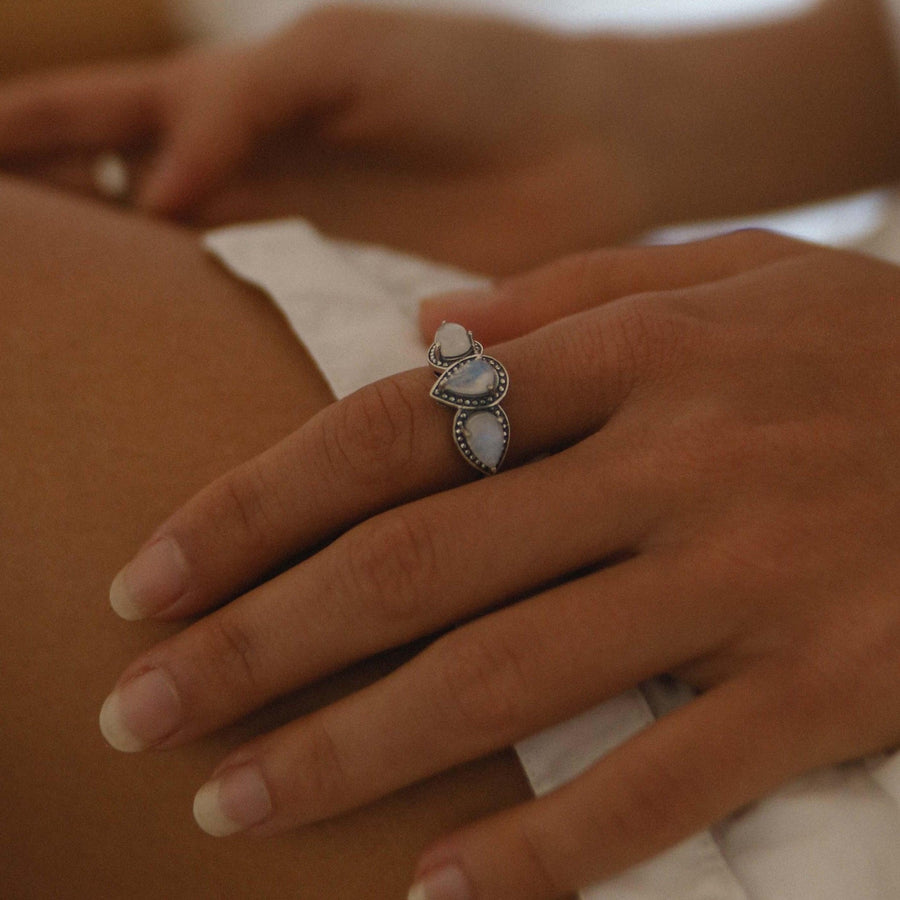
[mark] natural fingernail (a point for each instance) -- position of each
(233, 802)
(152, 581)
(446, 883)
(141, 713)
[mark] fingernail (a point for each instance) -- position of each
(141, 713)
(152, 581)
(446, 883)
(233, 802)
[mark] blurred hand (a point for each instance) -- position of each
(718, 498)
(473, 141)
(481, 143)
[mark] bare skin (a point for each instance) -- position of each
(68, 32)
(716, 496)
(744, 408)
(481, 143)
(130, 367)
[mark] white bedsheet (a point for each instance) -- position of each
(832, 835)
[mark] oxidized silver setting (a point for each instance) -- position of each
(473, 384)
(439, 363)
(444, 393)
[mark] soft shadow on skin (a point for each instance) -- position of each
(130, 367)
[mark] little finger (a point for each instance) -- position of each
(583, 281)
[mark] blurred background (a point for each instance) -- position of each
(36, 34)
(210, 16)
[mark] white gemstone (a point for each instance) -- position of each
(453, 340)
(111, 176)
(475, 378)
(484, 435)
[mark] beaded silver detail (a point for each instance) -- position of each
(473, 384)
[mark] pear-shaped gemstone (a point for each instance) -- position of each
(473, 378)
(486, 437)
(453, 340)
(477, 382)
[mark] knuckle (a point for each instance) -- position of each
(371, 435)
(484, 684)
(326, 776)
(660, 335)
(657, 807)
(587, 354)
(540, 865)
(634, 340)
(231, 656)
(390, 561)
(638, 335)
(250, 503)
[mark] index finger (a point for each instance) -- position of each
(385, 445)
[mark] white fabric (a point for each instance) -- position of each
(249, 18)
(832, 835)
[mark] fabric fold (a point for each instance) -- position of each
(829, 836)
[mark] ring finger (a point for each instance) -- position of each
(406, 573)
(479, 688)
(381, 447)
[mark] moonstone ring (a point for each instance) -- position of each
(473, 384)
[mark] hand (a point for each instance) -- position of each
(469, 140)
(476, 142)
(721, 501)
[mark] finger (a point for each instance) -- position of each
(77, 171)
(576, 283)
(489, 683)
(397, 577)
(386, 445)
(687, 771)
(108, 107)
(207, 138)
(238, 95)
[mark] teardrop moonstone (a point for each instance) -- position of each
(453, 340)
(484, 435)
(475, 378)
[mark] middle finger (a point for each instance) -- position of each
(480, 688)
(404, 574)
(387, 444)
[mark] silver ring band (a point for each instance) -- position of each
(473, 384)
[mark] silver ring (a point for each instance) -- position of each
(473, 384)
(111, 177)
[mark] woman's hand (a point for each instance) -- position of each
(712, 490)
(482, 143)
(470, 140)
